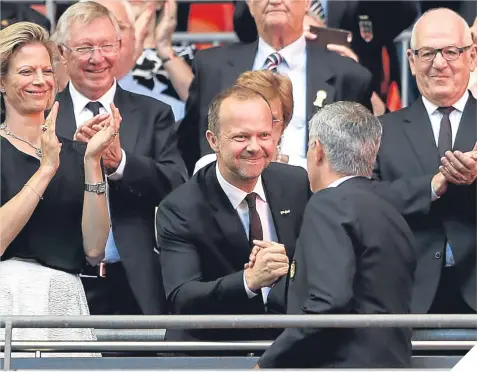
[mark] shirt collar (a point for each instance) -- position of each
(458, 105)
(236, 195)
(80, 101)
(340, 180)
(289, 53)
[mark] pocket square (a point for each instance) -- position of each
(287, 211)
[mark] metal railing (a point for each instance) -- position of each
(227, 321)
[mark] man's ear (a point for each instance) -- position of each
(319, 153)
(213, 141)
(249, 5)
(61, 53)
(411, 61)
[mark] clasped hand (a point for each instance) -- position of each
(459, 167)
(108, 143)
(268, 262)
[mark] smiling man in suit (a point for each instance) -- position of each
(428, 159)
(281, 47)
(208, 226)
(143, 164)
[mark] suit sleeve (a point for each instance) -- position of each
(386, 25)
(244, 25)
(155, 177)
(186, 290)
(188, 131)
(410, 196)
(326, 252)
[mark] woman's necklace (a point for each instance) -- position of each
(38, 150)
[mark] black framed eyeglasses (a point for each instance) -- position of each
(449, 53)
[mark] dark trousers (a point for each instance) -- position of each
(448, 299)
(111, 295)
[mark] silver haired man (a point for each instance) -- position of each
(355, 253)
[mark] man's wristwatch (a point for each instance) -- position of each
(98, 188)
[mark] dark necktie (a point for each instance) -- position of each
(274, 60)
(94, 107)
(444, 137)
(255, 226)
(445, 144)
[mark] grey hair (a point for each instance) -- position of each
(350, 135)
(466, 27)
(84, 12)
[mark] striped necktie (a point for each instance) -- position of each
(274, 60)
(317, 9)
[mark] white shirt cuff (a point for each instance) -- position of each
(434, 196)
(118, 174)
(250, 294)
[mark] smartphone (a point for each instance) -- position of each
(331, 36)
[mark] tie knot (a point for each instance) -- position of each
(274, 60)
(446, 110)
(251, 200)
(94, 107)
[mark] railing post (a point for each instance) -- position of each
(404, 72)
(7, 362)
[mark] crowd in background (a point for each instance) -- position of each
(272, 175)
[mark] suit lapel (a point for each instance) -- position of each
(418, 130)
(227, 219)
(466, 135)
(66, 122)
(238, 61)
(130, 125)
(278, 203)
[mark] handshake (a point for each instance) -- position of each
(268, 262)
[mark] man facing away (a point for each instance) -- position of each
(355, 253)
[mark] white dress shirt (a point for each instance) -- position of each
(295, 136)
(294, 66)
(128, 83)
(82, 114)
(237, 198)
(435, 117)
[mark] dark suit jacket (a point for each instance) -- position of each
(13, 12)
(204, 247)
(355, 255)
(153, 168)
(216, 69)
(386, 26)
(407, 161)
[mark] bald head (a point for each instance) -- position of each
(443, 80)
(442, 21)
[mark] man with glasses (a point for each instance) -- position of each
(142, 165)
(428, 158)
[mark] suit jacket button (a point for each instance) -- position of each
(437, 255)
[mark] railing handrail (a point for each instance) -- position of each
(169, 346)
(243, 321)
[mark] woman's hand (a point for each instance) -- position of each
(50, 145)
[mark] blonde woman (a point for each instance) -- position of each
(53, 208)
